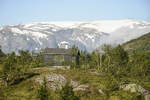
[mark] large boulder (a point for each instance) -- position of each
(136, 88)
(56, 81)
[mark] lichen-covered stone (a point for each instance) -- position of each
(56, 81)
(136, 88)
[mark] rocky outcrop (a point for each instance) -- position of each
(136, 88)
(55, 81)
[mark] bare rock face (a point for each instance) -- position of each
(136, 88)
(56, 81)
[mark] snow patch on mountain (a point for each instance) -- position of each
(16, 30)
(38, 35)
(86, 35)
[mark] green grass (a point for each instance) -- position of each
(27, 89)
(21, 91)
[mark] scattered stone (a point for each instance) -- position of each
(82, 88)
(100, 91)
(74, 84)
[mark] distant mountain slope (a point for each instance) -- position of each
(140, 44)
(86, 35)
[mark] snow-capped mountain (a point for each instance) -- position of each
(86, 35)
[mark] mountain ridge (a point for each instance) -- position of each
(86, 35)
(140, 44)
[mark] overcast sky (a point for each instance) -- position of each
(25, 11)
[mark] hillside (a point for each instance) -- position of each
(140, 44)
(92, 85)
(22, 76)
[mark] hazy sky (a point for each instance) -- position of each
(24, 11)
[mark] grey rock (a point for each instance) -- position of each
(136, 88)
(56, 81)
(101, 91)
(82, 88)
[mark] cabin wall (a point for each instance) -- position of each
(57, 59)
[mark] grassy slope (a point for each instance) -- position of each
(140, 44)
(27, 89)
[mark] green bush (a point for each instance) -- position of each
(67, 93)
(43, 93)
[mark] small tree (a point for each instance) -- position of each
(1, 55)
(9, 67)
(25, 57)
(83, 59)
(43, 93)
(67, 93)
(78, 59)
(115, 62)
(140, 64)
(119, 56)
(75, 53)
(94, 59)
(38, 61)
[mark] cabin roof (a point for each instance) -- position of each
(55, 51)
